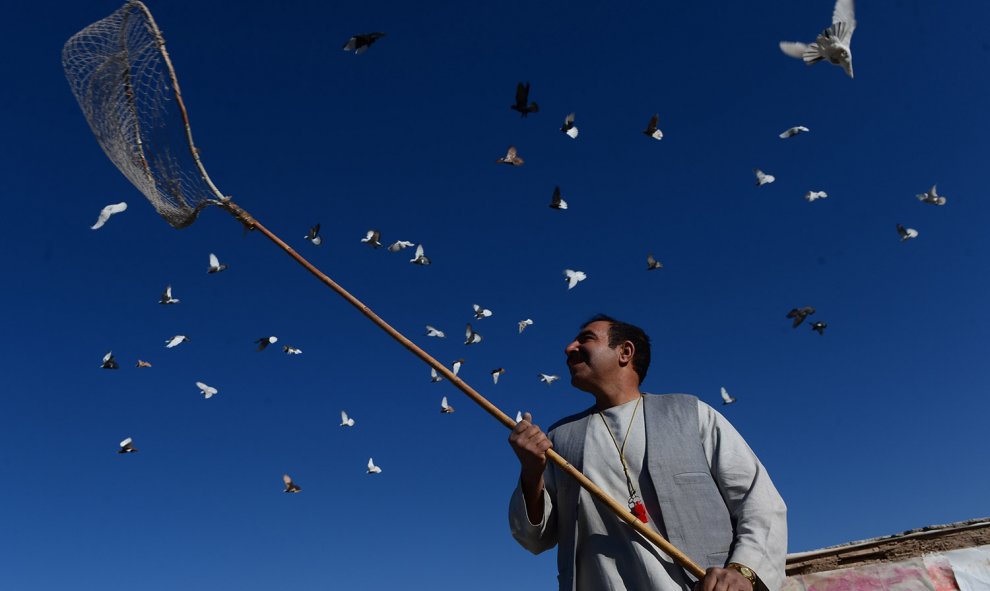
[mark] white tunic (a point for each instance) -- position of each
(611, 555)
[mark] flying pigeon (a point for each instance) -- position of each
(372, 468)
(556, 202)
(207, 391)
(819, 327)
(109, 362)
(811, 196)
(519, 416)
(496, 373)
(345, 421)
(651, 128)
(573, 277)
(906, 233)
(471, 336)
(290, 350)
(420, 258)
(167, 296)
(522, 101)
(314, 235)
(141, 363)
(569, 128)
(126, 447)
(524, 323)
(456, 366)
(931, 197)
(215, 265)
(833, 44)
(726, 399)
(548, 379)
(434, 376)
(372, 238)
(652, 263)
(265, 341)
(176, 341)
(799, 314)
(511, 157)
(433, 332)
(106, 212)
(399, 245)
(290, 487)
(360, 43)
(763, 178)
(480, 312)
(793, 131)
(445, 409)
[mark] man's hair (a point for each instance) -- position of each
(618, 332)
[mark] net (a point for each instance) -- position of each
(122, 77)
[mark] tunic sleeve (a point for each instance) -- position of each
(757, 509)
(537, 537)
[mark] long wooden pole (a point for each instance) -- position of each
(622, 512)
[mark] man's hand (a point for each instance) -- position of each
(723, 579)
(530, 445)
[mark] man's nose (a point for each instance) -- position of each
(570, 348)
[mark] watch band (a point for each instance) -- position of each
(744, 571)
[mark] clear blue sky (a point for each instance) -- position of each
(874, 428)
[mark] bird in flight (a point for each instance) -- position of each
(480, 312)
(519, 416)
(456, 366)
(763, 178)
(471, 337)
(290, 350)
(141, 363)
(167, 296)
(360, 43)
(372, 238)
(833, 44)
(799, 314)
(445, 409)
(906, 233)
(433, 332)
(811, 196)
(652, 263)
(524, 323)
(345, 421)
(496, 373)
(651, 128)
(522, 101)
(573, 277)
(726, 399)
(569, 128)
(372, 468)
(399, 245)
(215, 265)
(314, 235)
(932, 197)
(419, 258)
(109, 362)
(175, 341)
(793, 131)
(556, 202)
(127, 447)
(434, 376)
(511, 157)
(106, 212)
(819, 327)
(265, 341)
(548, 378)
(290, 487)
(207, 391)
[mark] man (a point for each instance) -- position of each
(684, 469)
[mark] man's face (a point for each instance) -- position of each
(589, 358)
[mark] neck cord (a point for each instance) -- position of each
(635, 503)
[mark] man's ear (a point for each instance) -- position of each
(626, 351)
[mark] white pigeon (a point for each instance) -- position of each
(215, 265)
(167, 296)
(573, 277)
(932, 197)
(906, 233)
(372, 468)
(726, 399)
(314, 235)
(345, 421)
(176, 341)
(519, 416)
(399, 245)
(556, 202)
(263, 342)
(290, 350)
(496, 373)
(763, 178)
(290, 487)
(813, 195)
(652, 263)
(548, 378)
(127, 447)
(434, 376)
(569, 128)
(480, 312)
(793, 132)
(456, 366)
(106, 212)
(372, 238)
(433, 332)
(833, 44)
(109, 362)
(651, 128)
(471, 337)
(207, 391)
(420, 258)
(524, 323)
(445, 408)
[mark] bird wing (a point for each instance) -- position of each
(286, 479)
(522, 94)
(845, 12)
(106, 212)
(794, 48)
(419, 251)
(126, 442)
(214, 261)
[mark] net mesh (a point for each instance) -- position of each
(122, 78)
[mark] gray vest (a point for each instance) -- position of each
(693, 511)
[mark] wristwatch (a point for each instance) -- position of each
(744, 571)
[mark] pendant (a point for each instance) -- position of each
(639, 510)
